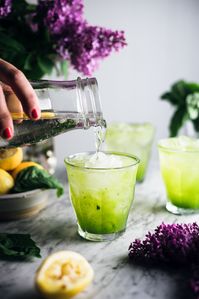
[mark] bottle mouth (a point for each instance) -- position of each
(89, 102)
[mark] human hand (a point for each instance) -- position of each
(15, 90)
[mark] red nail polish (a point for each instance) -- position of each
(34, 114)
(7, 133)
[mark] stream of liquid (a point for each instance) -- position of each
(100, 132)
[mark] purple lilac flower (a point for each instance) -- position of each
(88, 45)
(59, 13)
(74, 38)
(175, 243)
(5, 7)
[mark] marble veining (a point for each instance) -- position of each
(54, 229)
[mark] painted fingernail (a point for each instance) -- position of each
(7, 133)
(34, 114)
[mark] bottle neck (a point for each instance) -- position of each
(80, 96)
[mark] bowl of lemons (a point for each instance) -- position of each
(24, 185)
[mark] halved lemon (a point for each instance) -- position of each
(6, 182)
(10, 158)
(63, 275)
(24, 165)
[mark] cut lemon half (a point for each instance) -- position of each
(10, 158)
(6, 182)
(63, 275)
(24, 165)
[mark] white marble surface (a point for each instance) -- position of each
(54, 229)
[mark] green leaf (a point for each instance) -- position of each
(64, 68)
(28, 61)
(34, 178)
(9, 44)
(192, 101)
(18, 246)
(177, 120)
(196, 124)
(178, 93)
(45, 64)
(193, 87)
(169, 97)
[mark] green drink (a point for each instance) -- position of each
(101, 188)
(179, 162)
(135, 139)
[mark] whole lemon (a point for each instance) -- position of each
(6, 182)
(10, 158)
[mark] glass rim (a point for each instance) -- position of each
(133, 124)
(174, 150)
(135, 158)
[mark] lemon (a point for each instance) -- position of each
(6, 182)
(10, 158)
(63, 275)
(24, 165)
(47, 115)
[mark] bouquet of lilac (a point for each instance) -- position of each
(37, 38)
(173, 244)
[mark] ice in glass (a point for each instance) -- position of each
(101, 188)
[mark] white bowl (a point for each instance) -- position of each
(22, 205)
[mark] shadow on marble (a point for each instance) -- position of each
(180, 277)
(30, 294)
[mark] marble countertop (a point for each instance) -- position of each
(55, 229)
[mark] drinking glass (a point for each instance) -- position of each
(179, 163)
(132, 138)
(101, 197)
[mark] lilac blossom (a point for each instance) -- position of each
(5, 7)
(170, 243)
(74, 39)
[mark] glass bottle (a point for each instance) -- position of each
(65, 105)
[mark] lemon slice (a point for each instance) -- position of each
(10, 158)
(6, 182)
(63, 275)
(24, 165)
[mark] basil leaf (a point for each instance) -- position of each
(34, 178)
(18, 245)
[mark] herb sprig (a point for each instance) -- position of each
(18, 246)
(32, 178)
(184, 96)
